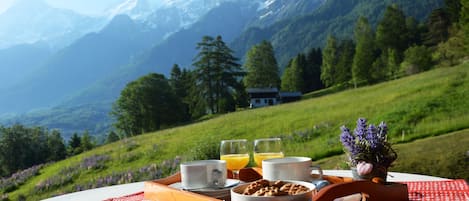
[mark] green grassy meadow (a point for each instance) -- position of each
(429, 104)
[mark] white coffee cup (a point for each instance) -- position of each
(289, 168)
(203, 174)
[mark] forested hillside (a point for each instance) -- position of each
(334, 17)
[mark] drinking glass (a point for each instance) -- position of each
(236, 155)
(267, 148)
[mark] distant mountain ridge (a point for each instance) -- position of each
(15, 66)
(77, 66)
(29, 21)
(179, 48)
(91, 58)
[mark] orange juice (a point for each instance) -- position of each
(258, 157)
(235, 161)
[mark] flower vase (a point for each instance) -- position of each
(380, 172)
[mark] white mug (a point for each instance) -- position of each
(203, 174)
(289, 168)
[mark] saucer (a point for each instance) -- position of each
(228, 184)
(219, 193)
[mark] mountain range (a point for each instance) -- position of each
(79, 80)
(34, 21)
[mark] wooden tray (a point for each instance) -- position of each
(158, 190)
(367, 190)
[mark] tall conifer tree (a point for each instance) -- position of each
(392, 32)
(204, 72)
(181, 84)
(464, 24)
(438, 23)
(312, 72)
(344, 64)
(261, 66)
(292, 78)
(329, 61)
(56, 146)
(217, 74)
(364, 52)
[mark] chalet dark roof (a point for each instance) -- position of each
(289, 94)
(262, 90)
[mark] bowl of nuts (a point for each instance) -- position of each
(265, 190)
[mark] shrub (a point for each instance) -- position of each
(416, 59)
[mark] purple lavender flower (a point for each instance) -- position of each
(368, 144)
(372, 137)
(347, 139)
(382, 131)
(360, 130)
(19, 177)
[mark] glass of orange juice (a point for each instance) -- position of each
(267, 148)
(236, 155)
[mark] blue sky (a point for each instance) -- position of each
(88, 7)
(4, 4)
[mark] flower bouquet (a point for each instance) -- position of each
(370, 154)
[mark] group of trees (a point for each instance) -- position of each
(303, 72)
(22, 147)
(400, 45)
(146, 104)
(216, 85)
(78, 144)
(153, 101)
(456, 46)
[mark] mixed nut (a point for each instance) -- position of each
(264, 187)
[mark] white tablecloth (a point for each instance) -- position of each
(127, 189)
(101, 193)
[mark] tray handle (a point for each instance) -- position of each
(369, 190)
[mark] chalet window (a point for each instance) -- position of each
(258, 101)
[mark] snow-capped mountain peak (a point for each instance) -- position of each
(270, 11)
(124, 7)
(267, 3)
(136, 9)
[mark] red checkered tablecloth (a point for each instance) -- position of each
(134, 197)
(451, 190)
